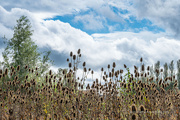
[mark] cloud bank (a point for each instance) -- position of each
(99, 50)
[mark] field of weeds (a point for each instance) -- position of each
(139, 97)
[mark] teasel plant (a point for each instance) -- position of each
(63, 97)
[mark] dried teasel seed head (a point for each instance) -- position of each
(134, 117)
(74, 57)
(142, 108)
(148, 68)
(18, 67)
(114, 64)
(175, 84)
(32, 70)
(85, 70)
(84, 64)
(67, 60)
(79, 51)
(10, 111)
(6, 71)
(112, 70)
(133, 108)
(125, 66)
(74, 68)
(50, 72)
(135, 67)
(70, 65)
(71, 54)
(108, 66)
(142, 68)
(26, 77)
(141, 59)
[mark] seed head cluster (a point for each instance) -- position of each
(66, 97)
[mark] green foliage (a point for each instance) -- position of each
(171, 67)
(127, 76)
(165, 70)
(21, 50)
(157, 67)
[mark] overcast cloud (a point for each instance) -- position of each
(98, 49)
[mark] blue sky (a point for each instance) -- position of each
(106, 31)
(131, 24)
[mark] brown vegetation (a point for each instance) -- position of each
(137, 98)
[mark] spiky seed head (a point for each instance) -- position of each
(108, 66)
(50, 72)
(74, 68)
(15, 78)
(70, 65)
(148, 68)
(142, 68)
(135, 67)
(18, 67)
(84, 64)
(10, 111)
(145, 75)
(85, 70)
(141, 59)
(102, 69)
(63, 72)
(71, 54)
(121, 71)
(133, 117)
(74, 57)
(114, 64)
(6, 71)
(74, 115)
(32, 70)
(79, 50)
(133, 108)
(125, 66)
(92, 72)
(175, 84)
(142, 108)
(110, 74)
(67, 60)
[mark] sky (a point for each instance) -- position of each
(106, 31)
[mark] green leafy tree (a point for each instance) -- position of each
(156, 68)
(165, 73)
(171, 68)
(151, 71)
(22, 51)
